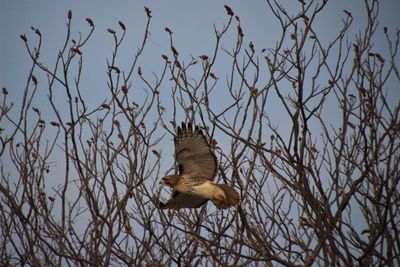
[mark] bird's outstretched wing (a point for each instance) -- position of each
(193, 153)
(182, 200)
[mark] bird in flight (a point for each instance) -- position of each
(197, 166)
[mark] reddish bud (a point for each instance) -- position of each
(212, 75)
(120, 136)
(76, 50)
(174, 51)
(240, 31)
(54, 123)
(52, 199)
(105, 106)
(69, 124)
(164, 57)
(293, 36)
(5, 91)
(304, 16)
(90, 22)
(111, 31)
(142, 125)
(140, 71)
(203, 57)
(42, 122)
(168, 30)
(124, 89)
(34, 80)
(69, 14)
(148, 12)
(23, 37)
(76, 99)
(228, 10)
(155, 152)
(116, 123)
(122, 25)
(379, 57)
(251, 45)
(385, 29)
(36, 31)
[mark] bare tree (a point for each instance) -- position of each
(316, 191)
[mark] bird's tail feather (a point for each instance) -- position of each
(232, 197)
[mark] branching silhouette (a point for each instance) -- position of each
(313, 191)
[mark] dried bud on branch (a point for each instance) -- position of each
(168, 30)
(164, 57)
(148, 12)
(122, 25)
(124, 89)
(240, 31)
(36, 31)
(229, 10)
(76, 50)
(34, 80)
(90, 22)
(111, 31)
(251, 45)
(23, 37)
(105, 106)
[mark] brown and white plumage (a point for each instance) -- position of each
(197, 166)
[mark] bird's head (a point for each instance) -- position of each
(170, 180)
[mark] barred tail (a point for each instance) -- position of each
(231, 198)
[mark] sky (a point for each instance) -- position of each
(191, 21)
(192, 24)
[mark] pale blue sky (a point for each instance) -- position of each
(192, 24)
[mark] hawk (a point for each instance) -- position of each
(197, 166)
